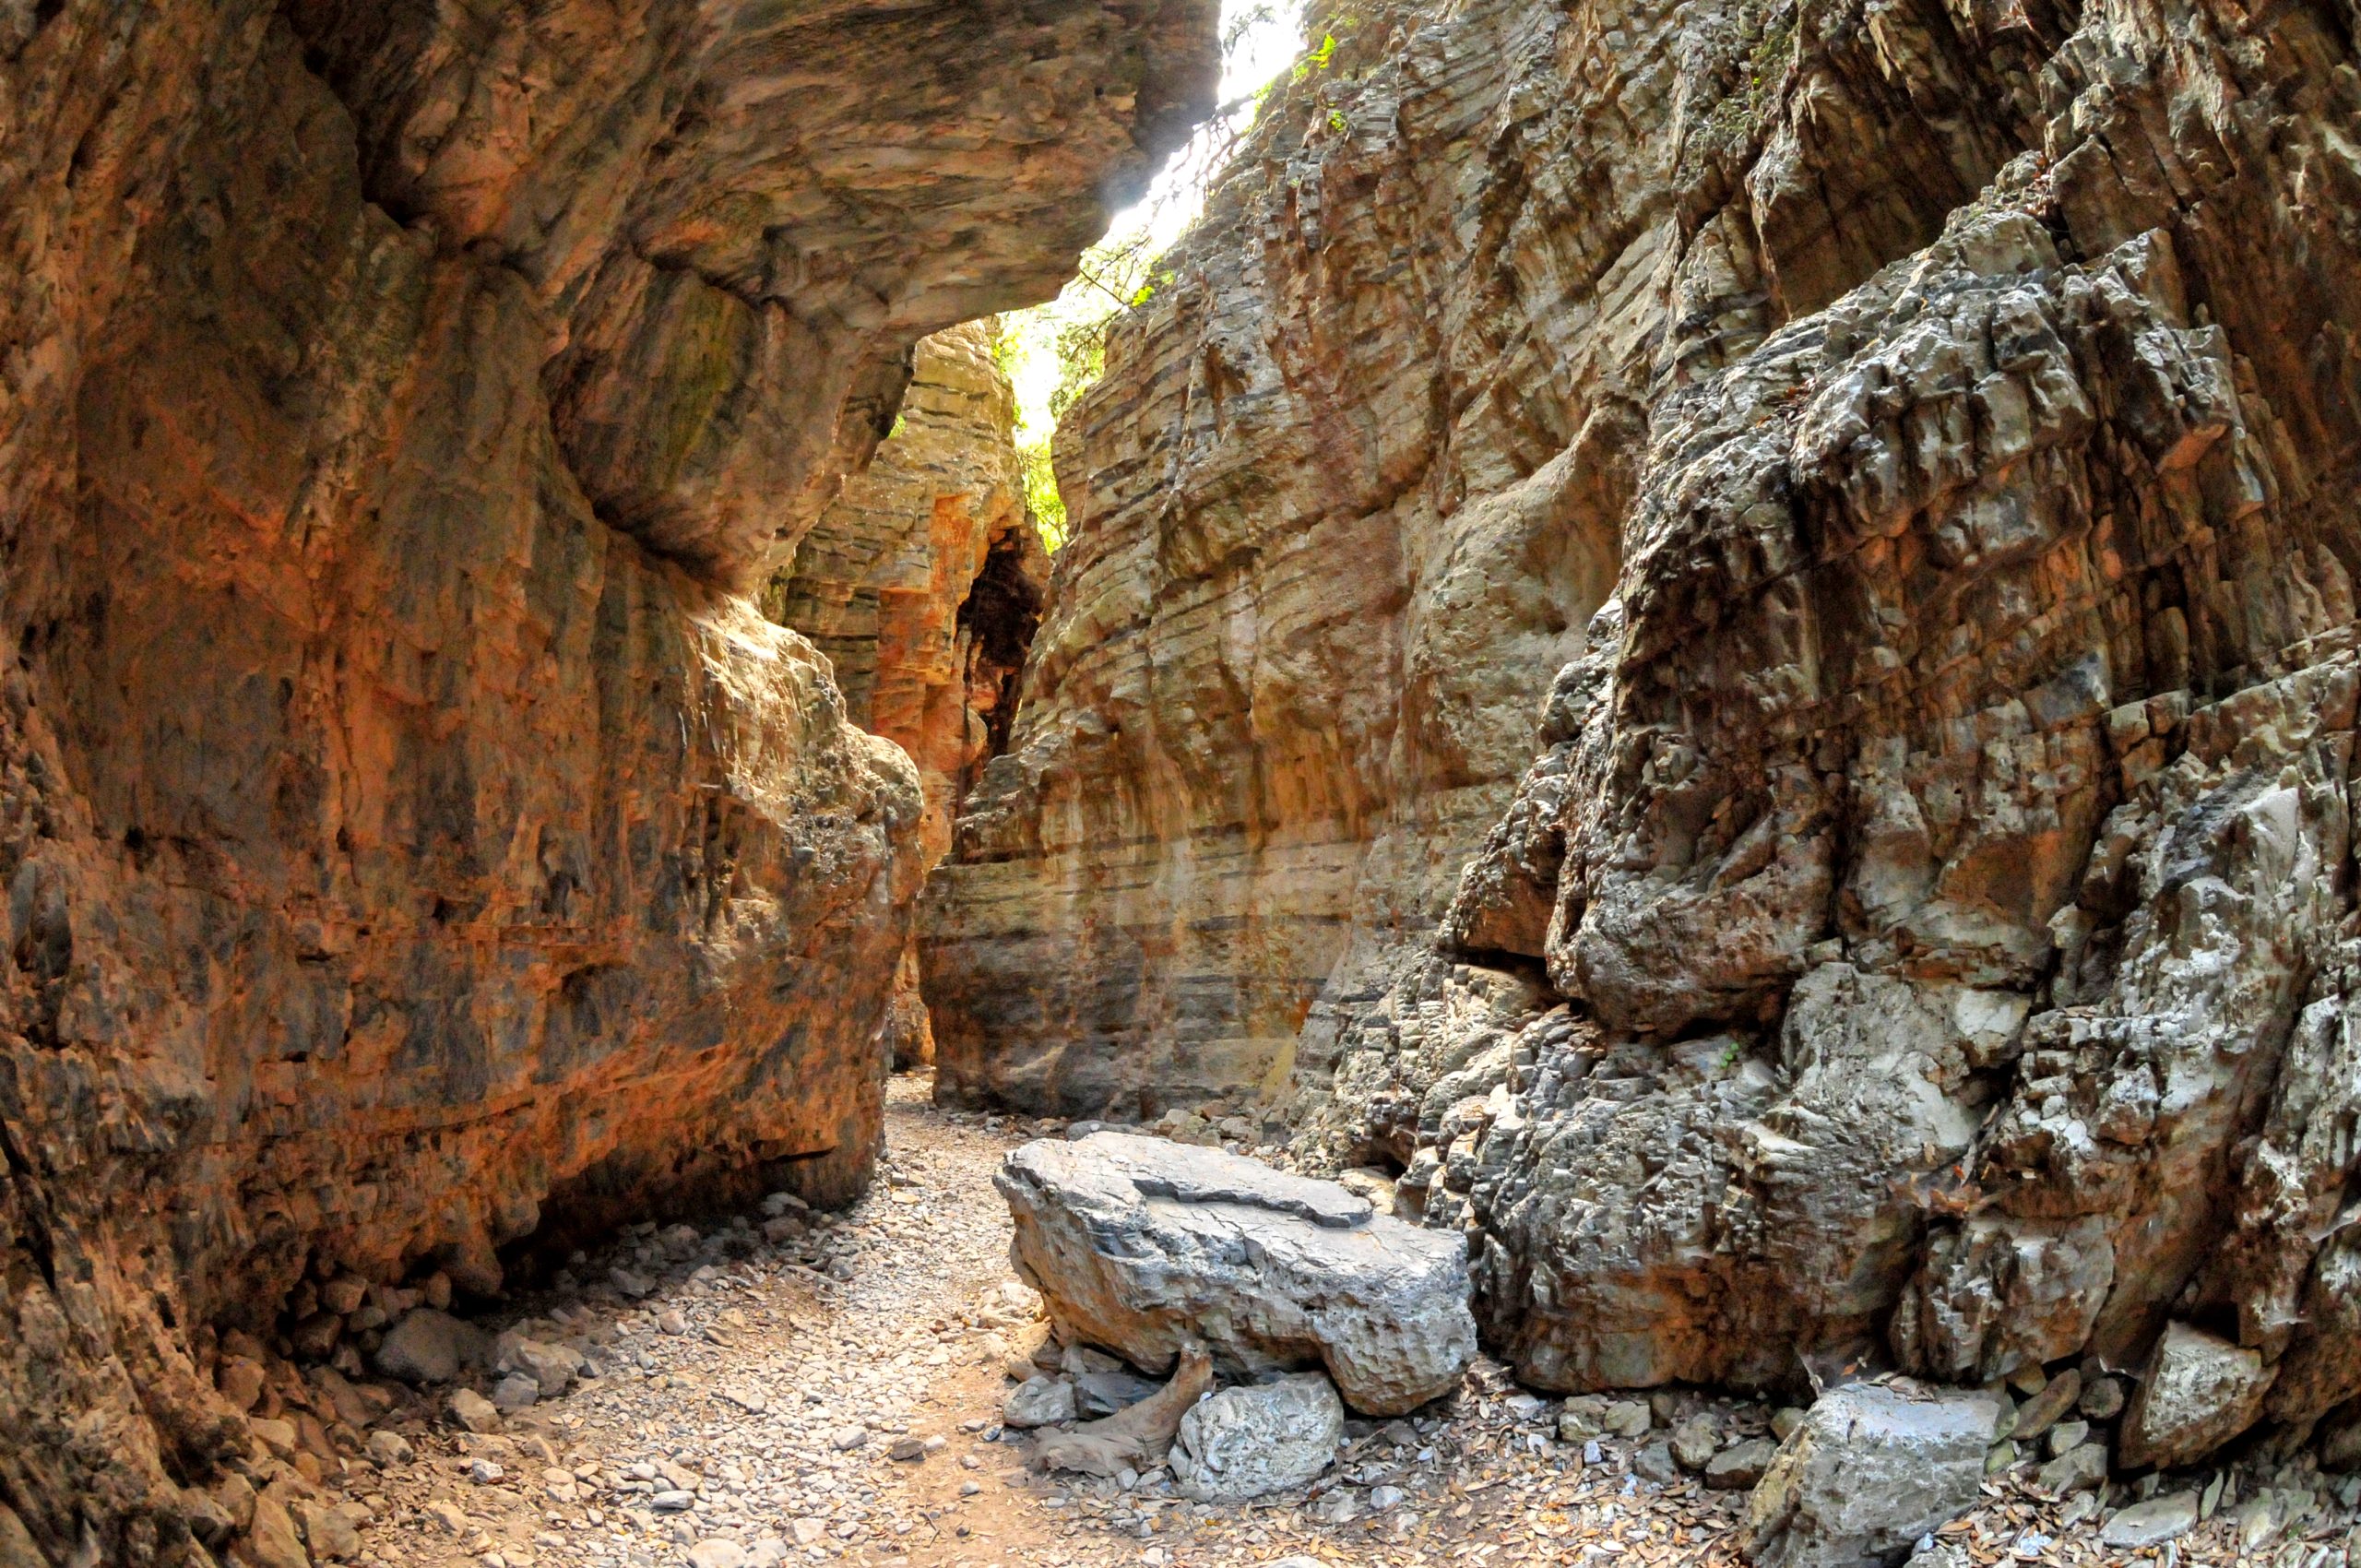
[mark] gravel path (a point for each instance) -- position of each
(752, 1411)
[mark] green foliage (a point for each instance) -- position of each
(1042, 497)
(1317, 60)
(1053, 352)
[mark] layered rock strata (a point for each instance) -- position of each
(1926, 933)
(417, 846)
(923, 581)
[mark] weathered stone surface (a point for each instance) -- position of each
(427, 1346)
(1871, 1470)
(922, 582)
(416, 843)
(1258, 1438)
(1038, 1402)
(1146, 1247)
(2196, 1392)
(2151, 1523)
(1925, 928)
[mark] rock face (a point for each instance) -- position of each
(922, 582)
(1146, 1247)
(1924, 927)
(417, 845)
(1871, 1470)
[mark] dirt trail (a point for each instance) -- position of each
(750, 1408)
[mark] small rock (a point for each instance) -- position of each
(2040, 1412)
(484, 1472)
(2067, 1436)
(515, 1392)
(844, 1440)
(2079, 1468)
(1871, 1470)
(753, 1401)
(1695, 1441)
(1655, 1462)
(447, 1515)
(1104, 1393)
(672, 1321)
(717, 1554)
(673, 1500)
(315, 1336)
(330, 1533)
(630, 1286)
(344, 1294)
(2151, 1523)
(473, 1411)
(1253, 1440)
(1741, 1465)
(906, 1449)
(805, 1532)
(970, 1489)
(1038, 1402)
(1382, 1498)
(240, 1381)
(2102, 1398)
(1785, 1420)
(387, 1449)
(1628, 1417)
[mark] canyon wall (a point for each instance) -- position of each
(923, 583)
(1924, 933)
(418, 846)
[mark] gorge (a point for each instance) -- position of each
(1714, 644)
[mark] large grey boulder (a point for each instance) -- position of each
(1257, 1439)
(1873, 1467)
(2198, 1393)
(1142, 1245)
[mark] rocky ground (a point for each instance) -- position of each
(779, 1389)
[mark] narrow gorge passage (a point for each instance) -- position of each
(754, 1412)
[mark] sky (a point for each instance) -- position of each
(1265, 43)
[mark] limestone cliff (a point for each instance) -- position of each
(1927, 932)
(922, 581)
(416, 846)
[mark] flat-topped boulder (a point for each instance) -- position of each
(1141, 1246)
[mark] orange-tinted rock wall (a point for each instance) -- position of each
(417, 845)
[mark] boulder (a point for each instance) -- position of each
(2198, 1393)
(1142, 1245)
(428, 1346)
(1257, 1439)
(1872, 1467)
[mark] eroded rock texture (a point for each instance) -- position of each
(1926, 933)
(413, 843)
(922, 581)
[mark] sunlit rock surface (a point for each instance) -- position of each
(1883, 473)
